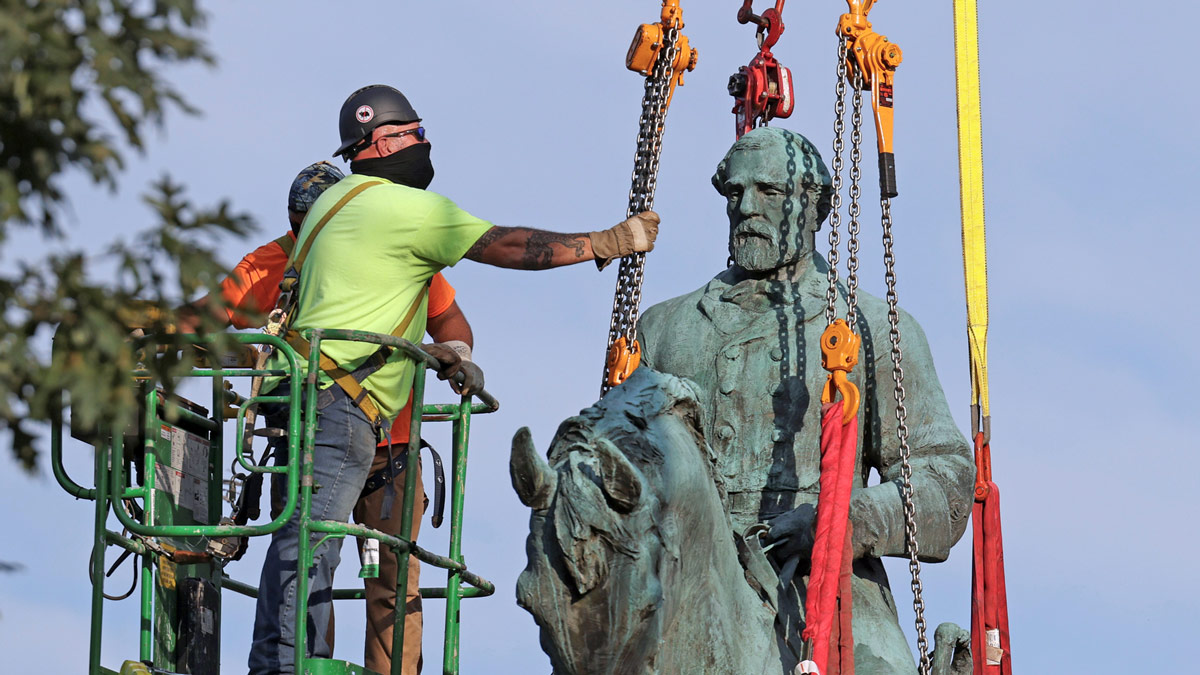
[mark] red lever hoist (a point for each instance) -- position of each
(762, 90)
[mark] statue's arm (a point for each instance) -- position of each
(943, 470)
(648, 334)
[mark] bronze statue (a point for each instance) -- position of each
(747, 343)
(632, 569)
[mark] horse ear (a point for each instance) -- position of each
(532, 478)
(620, 481)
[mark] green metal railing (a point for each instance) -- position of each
(174, 550)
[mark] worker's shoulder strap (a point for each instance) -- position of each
(288, 243)
(296, 257)
(351, 382)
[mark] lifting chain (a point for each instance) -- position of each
(856, 41)
(835, 212)
(835, 215)
(910, 509)
(855, 193)
(623, 352)
(839, 343)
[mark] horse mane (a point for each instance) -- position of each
(587, 528)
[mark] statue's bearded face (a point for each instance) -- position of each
(765, 210)
(777, 193)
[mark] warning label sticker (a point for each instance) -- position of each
(183, 474)
(168, 480)
(189, 453)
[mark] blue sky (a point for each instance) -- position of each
(1089, 163)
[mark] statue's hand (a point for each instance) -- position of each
(791, 534)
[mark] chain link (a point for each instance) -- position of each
(627, 298)
(835, 218)
(835, 212)
(855, 209)
(910, 509)
(855, 193)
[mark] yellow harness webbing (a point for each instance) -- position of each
(296, 259)
(288, 243)
(970, 163)
(344, 378)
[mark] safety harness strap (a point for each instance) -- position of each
(297, 257)
(282, 314)
(288, 243)
(397, 466)
(350, 382)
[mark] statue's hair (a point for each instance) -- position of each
(806, 167)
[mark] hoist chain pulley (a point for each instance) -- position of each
(663, 53)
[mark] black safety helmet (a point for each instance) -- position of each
(368, 108)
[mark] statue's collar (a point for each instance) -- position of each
(803, 287)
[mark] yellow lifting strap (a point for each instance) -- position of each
(970, 167)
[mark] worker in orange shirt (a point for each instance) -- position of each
(250, 292)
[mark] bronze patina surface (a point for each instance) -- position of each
(747, 344)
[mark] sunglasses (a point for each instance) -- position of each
(419, 132)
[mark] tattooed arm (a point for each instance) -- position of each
(525, 248)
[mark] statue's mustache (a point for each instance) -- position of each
(748, 229)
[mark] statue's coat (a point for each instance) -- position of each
(749, 340)
(752, 348)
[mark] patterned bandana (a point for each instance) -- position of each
(310, 183)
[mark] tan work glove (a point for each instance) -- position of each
(633, 235)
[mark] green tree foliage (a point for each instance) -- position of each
(80, 79)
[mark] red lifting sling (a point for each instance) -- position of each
(989, 603)
(828, 609)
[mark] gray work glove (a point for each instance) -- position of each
(633, 235)
(451, 363)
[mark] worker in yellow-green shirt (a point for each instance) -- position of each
(368, 267)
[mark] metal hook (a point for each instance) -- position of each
(770, 22)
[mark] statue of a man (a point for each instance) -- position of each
(750, 340)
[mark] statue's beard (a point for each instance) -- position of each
(756, 247)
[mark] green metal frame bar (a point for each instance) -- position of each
(98, 548)
(461, 432)
(112, 485)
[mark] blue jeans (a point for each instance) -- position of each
(342, 452)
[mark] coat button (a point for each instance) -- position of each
(725, 432)
(733, 353)
(776, 354)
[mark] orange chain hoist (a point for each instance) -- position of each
(661, 52)
(871, 57)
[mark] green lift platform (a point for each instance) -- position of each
(162, 477)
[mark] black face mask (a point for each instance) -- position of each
(410, 166)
